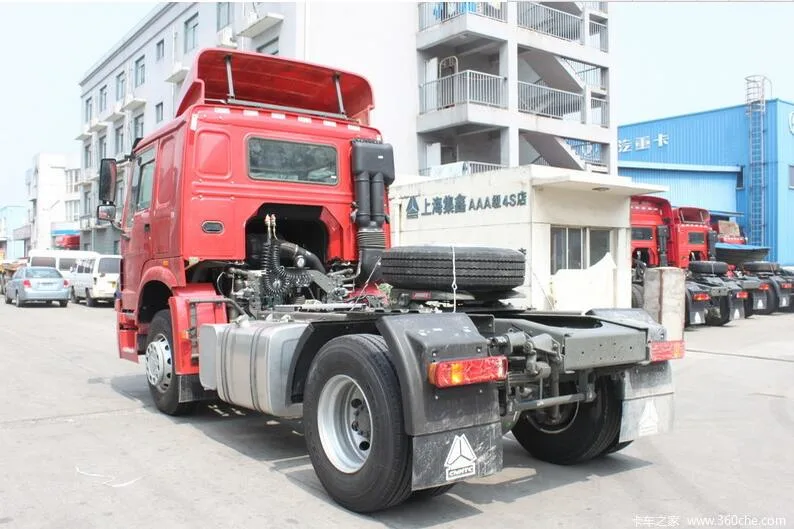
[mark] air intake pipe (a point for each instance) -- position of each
(372, 165)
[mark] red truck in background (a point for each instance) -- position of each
(682, 237)
(256, 270)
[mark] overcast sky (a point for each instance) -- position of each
(667, 58)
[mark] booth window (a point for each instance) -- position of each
(578, 248)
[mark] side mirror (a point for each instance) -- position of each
(106, 212)
(108, 171)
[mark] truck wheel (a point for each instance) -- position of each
(709, 267)
(89, 301)
(637, 297)
(585, 431)
(724, 317)
(353, 424)
(163, 382)
(431, 267)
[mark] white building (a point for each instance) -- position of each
(459, 87)
(53, 201)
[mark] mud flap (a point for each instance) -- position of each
(737, 308)
(648, 407)
(759, 300)
(190, 389)
(697, 316)
(456, 455)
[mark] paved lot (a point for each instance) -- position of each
(82, 447)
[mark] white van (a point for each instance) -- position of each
(96, 278)
(64, 260)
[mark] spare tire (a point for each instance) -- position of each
(430, 267)
(760, 266)
(708, 267)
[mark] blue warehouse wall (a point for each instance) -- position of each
(699, 156)
(712, 190)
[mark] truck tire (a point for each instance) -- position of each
(616, 446)
(163, 382)
(364, 466)
(637, 297)
(590, 429)
(760, 266)
(431, 267)
(708, 267)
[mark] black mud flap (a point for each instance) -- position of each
(759, 299)
(456, 455)
(697, 313)
(737, 308)
(190, 389)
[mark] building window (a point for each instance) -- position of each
(159, 50)
(87, 156)
(269, 48)
(224, 14)
(103, 98)
(89, 109)
(191, 33)
(791, 176)
(158, 113)
(740, 179)
(120, 139)
(578, 248)
(103, 147)
(140, 71)
(121, 86)
(137, 126)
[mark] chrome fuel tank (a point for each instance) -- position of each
(248, 364)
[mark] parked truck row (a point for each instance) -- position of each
(257, 270)
(716, 291)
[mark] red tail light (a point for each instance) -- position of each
(764, 286)
(66, 282)
(661, 351)
(26, 283)
(785, 285)
(742, 294)
(471, 371)
(701, 296)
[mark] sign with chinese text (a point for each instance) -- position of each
(459, 203)
(643, 143)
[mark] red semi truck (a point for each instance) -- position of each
(663, 235)
(257, 271)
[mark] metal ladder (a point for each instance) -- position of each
(755, 102)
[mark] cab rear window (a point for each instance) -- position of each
(292, 161)
(696, 237)
(42, 261)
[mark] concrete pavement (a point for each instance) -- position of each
(81, 446)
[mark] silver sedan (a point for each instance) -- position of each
(37, 283)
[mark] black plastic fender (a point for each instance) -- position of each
(415, 340)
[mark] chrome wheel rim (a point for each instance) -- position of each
(345, 424)
(159, 364)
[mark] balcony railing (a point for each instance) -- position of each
(589, 75)
(588, 152)
(463, 87)
(549, 102)
(541, 100)
(550, 21)
(460, 168)
(597, 6)
(87, 222)
(434, 13)
(597, 36)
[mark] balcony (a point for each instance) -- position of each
(256, 24)
(460, 169)
(132, 102)
(87, 222)
(178, 73)
(116, 111)
(85, 134)
(96, 125)
(540, 100)
(447, 22)
(467, 96)
(561, 32)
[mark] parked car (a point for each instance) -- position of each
(37, 283)
(95, 279)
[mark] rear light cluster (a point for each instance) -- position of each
(742, 294)
(764, 286)
(470, 371)
(785, 285)
(672, 350)
(26, 283)
(701, 296)
(66, 282)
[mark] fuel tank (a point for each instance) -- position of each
(248, 364)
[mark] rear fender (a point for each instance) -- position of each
(184, 333)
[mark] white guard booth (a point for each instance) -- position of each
(574, 226)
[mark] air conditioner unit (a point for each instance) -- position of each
(226, 38)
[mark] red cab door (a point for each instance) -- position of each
(138, 226)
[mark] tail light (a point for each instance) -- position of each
(742, 294)
(661, 351)
(785, 285)
(66, 282)
(26, 283)
(470, 371)
(701, 296)
(764, 286)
